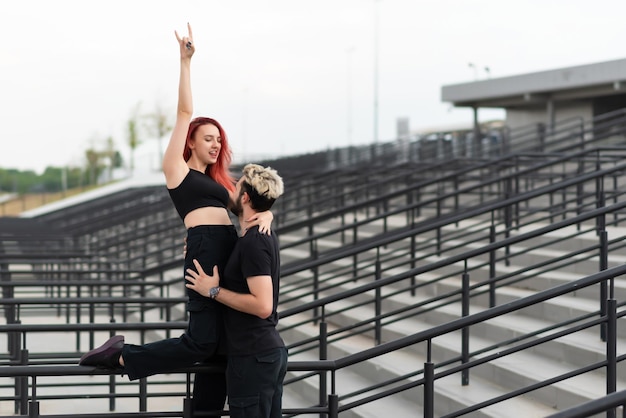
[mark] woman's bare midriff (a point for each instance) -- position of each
(207, 216)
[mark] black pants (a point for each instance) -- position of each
(255, 384)
(211, 245)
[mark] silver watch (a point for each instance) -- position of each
(214, 291)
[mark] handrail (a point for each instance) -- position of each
(494, 180)
(445, 219)
(513, 240)
(487, 248)
(332, 366)
(594, 406)
(579, 122)
(478, 317)
(367, 354)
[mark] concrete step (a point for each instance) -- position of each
(511, 372)
(583, 301)
(582, 348)
(398, 365)
(521, 256)
(556, 310)
(538, 317)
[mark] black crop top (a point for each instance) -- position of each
(198, 190)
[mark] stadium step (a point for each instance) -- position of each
(397, 365)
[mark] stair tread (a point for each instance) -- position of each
(517, 363)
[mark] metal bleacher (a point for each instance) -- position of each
(419, 278)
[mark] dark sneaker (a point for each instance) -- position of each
(107, 355)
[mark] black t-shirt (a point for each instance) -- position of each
(255, 254)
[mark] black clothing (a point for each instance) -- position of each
(197, 190)
(255, 384)
(257, 357)
(255, 254)
(211, 245)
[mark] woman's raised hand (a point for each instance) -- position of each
(187, 47)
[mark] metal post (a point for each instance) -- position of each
(323, 341)
(611, 352)
(33, 409)
(313, 242)
(429, 389)
(143, 394)
(315, 279)
(477, 145)
(438, 228)
(355, 259)
(343, 225)
(492, 268)
(33, 405)
(465, 330)
(604, 292)
(551, 115)
(377, 301)
(21, 388)
(187, 408)
(112, 392)
(413, 248)
(187, 404)
(508, 217)
(541, 136)
(333, 406)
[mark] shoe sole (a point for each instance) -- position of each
(108, 344)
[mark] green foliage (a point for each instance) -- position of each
(118, 160)
(51, 180)
(97, 159)
(132, 134)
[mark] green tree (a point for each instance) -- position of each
(94, 165)
(6, 185)
(52, 179)
(75, 176)
(132, 135)
(109, 154)
(17, 181)
(118, 160)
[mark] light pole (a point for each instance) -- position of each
(349, 52)
(376, 71)
(244, 122)
(471, 65)
(475, 68)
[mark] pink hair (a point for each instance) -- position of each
(220, 171)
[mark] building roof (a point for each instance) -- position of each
(570, 83)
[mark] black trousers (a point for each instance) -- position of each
(255, 384)
(202, 341)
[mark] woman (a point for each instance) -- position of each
(196, 167)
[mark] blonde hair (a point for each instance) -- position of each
(262, 184)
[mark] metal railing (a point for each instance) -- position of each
(323, 303)
(572, 208)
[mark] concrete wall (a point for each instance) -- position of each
(522, 117)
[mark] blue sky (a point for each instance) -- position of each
(283, 76)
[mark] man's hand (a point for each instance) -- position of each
(200, 281)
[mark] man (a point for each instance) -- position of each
(257, 357)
